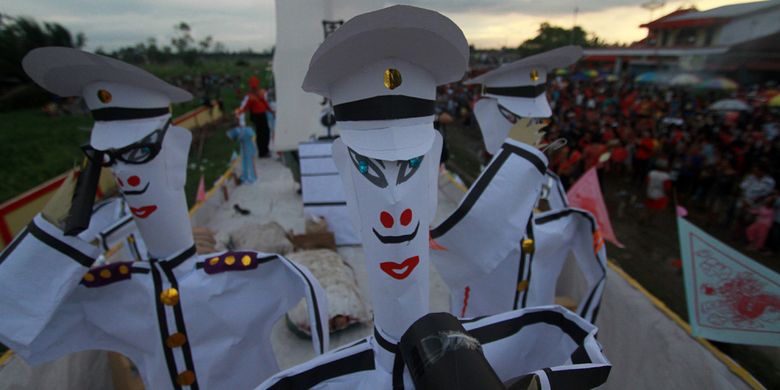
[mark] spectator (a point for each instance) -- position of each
(257, 105)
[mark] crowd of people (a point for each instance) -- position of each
(669, 144)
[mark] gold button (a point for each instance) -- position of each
(534, 75)
(123, 269)
(185, 378)
(214, 261)
(105, 274)
(176, 340)
(246, 260)
(169, 296)
(528, 245)
(230, 260)
(88, 277)
(522, 286)
(392, 78)
(104, 96)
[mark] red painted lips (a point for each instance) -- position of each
(402, 270)
(143, 212)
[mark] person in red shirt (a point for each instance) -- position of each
(255, 103)
(644, 150)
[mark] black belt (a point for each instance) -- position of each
(527, 91)
(119, 113)
(384, 107)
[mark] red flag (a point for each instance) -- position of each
(201, 194)
(586, 194)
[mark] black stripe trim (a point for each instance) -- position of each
(562, 213)
(60, 246)
(319, 174)
(530, 233)
(520, 272)
(385, 343)
(481, 184)
(114, 228)
(316, 156)
(168, 265)
(362, 361)
(120, 113)
(559, 187)
(398, 372)
(139, 270)
(177, 311)
(525, 91)
(384, 107)
(500, 330)
(14, 243)
(578, 378)
(317, 320)
(162, 322)
(320, 204)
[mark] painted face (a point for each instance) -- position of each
(497, 123)
(150, 175)
(392, 204)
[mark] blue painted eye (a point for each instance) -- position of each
(362, 166)
(415, 162)
(146, 150)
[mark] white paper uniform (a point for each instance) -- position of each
(550, 342)
(217, 332)
(223, 320)
(184, 320)
(553, 191)
(387, 158)
(491, 220)
(529, 278)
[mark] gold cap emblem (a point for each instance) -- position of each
(392, 78)
(534, 75)
(104, 96)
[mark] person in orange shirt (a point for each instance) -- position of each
(255, 103)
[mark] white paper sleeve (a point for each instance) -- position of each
(38, 273)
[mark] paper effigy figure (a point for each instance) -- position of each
(184, 320)
(388, 157)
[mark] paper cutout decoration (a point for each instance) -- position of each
(322, 191)
(731, 298)
(586, 194)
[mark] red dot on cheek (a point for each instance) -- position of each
(386, 219)
(134, 181)
(406, 217)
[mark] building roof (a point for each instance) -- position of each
(690, 17)
(727, 11)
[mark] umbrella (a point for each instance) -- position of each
(684, 79)
(730, 105)
(722, 83)
(652, 78)
(774, 102)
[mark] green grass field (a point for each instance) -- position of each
(37, 147)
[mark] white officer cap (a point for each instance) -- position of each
(380, 70)
(520, 86)
(127, 102)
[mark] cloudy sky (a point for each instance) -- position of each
(241, 24)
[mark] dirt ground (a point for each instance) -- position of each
(651, 246)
